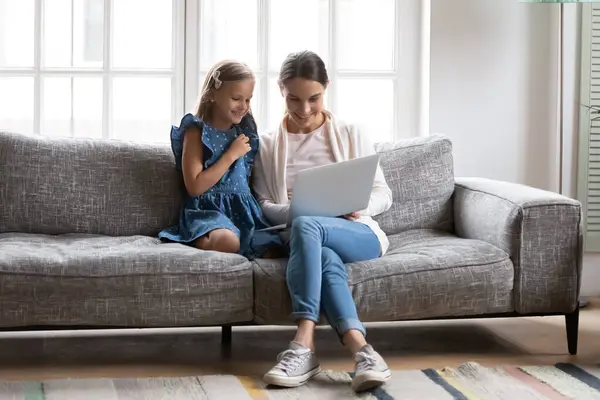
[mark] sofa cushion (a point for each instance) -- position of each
(104, 187)
(116, 188)
(133, 281)
(425, 274)
(420, 173)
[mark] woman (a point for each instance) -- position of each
(316, 276)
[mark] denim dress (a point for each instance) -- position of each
(230, 203)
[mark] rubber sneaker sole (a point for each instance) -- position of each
(370, 380)
(290, 381)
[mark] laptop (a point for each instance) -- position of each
(332, 190)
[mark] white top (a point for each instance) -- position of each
(306, 150)
(346, 143)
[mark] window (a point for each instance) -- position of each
(360, 41)
(588, 179)
(126, 70)
(91, 68)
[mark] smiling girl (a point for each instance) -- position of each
(214, 149)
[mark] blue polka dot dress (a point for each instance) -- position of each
(229, 204)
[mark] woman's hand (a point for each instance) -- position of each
(352, 216)
(239, 147)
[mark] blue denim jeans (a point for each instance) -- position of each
(316, 275)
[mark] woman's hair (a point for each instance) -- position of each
(223, 71)
(303, 64)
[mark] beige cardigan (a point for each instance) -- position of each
(347, 143)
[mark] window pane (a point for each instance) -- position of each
(87, 107)
(79, 28)
(56, 106)
(142, 34)
(307, 30)
(276, 106)
(365, 32)
(141, 109)
(82, 101)
(196, 98)
(229, 30)
(16, 33)
(360, 100)
(16, 104)
(255, 104)
(57, 33)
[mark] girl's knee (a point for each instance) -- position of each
(227, 243)
(202, 243)
(222, 240)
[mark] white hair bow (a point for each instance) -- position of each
(218, 82)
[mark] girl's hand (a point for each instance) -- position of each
(239, 147)
(352, 216)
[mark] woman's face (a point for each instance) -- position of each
(304, 101)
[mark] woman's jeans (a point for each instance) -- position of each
(316, 275)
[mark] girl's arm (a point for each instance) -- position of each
(197, 179)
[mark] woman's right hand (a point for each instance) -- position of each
(239, 147)
(352, 216)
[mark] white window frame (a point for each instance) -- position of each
(410, 74)
(106, 72)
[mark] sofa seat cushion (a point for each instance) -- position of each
(130, 281)
(425, 274)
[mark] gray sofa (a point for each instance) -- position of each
(78, 245)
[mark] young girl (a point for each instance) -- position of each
(215, 149)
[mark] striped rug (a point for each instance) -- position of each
(467, 382)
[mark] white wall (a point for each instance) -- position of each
(493, 87)
(494, 92)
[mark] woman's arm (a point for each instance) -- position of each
(276, 213)
(197, 179)
(381, 195)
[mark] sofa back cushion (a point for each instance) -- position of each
(54, 186)
(420, 172)
(62, 185)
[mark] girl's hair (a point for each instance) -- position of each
(223, 71)
(304, 64)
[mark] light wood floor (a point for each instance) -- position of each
(405, 345)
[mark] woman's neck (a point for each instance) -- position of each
(292, 127)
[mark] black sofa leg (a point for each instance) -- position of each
(572, 323)
(226, 332)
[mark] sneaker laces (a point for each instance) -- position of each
(364, 361)
(291, 359)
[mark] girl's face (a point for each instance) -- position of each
(304, 101)
(232, 101)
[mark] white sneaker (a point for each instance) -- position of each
(370, 370)
(295, 366)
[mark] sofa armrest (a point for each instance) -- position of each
(541, 231)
